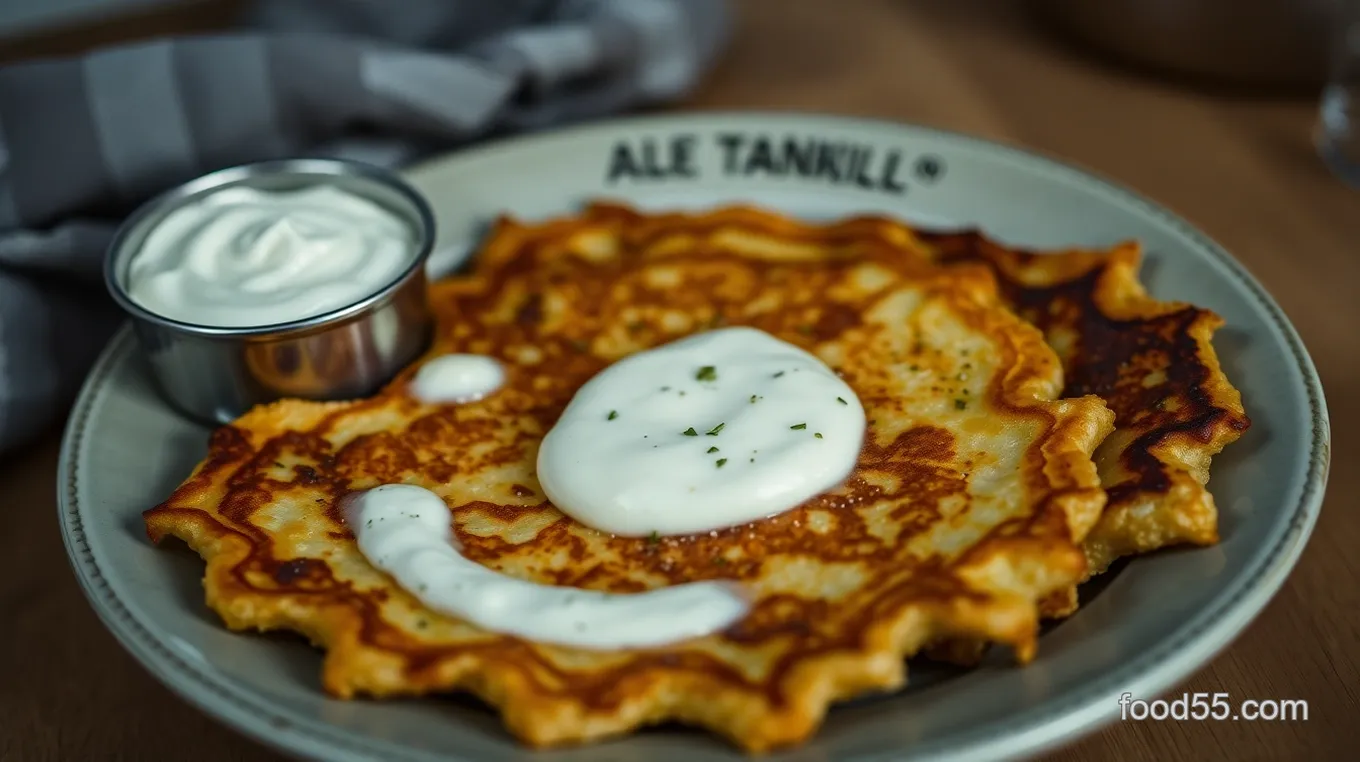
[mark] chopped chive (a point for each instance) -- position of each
(753, 460)
(706, 373)
(712, 450)
(722, 462)
(960, 404)
(780, 373)
(720, 561)
(422, 624)
(653, 538)
(690, 432)
(612, 415)
(665, 388)
(798, 426)
(818, 435)
(713, 432)
(842, 401)
(753, 399)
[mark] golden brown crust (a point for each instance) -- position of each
(1153, 363)
(910, 551)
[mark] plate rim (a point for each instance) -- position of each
(1062, 721)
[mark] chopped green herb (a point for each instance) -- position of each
(706, 373)
(720, 561)
(278, 464)
(722, 462)
(612, 415)
(805, 329)
(913, 368)
(842, 401)
(579, 345)
(960, 404)
(818, 434)
(653, 538)
(690, 432)
(422, 624)
(712, 450)
(753, 460)
(753, 399)
(713, 432)
(780, 373)
(665, 388)
(798, 426)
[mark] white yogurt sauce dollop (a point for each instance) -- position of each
(718, 429)
(406, 531)
(242, 257)
(457, 378)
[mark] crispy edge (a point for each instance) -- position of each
(1138, 525)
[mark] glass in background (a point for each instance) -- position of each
(1338, 130)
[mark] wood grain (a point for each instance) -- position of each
(1241, 168)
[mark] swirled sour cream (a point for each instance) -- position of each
(714, 430)
(242, 257)
(406, 531)
(457, 378)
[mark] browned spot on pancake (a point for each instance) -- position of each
(531, 311)
(299, 570)
(834, 320)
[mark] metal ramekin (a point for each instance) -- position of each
(215, 374)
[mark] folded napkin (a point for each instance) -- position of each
(83, 140)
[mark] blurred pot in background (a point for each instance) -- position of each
(1266, 43)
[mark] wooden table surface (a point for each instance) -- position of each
(1241, 168)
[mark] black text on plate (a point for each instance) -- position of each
(873, 168)
(653, 158)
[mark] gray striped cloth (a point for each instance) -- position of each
(83, 140)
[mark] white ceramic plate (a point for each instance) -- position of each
(1153, 623)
